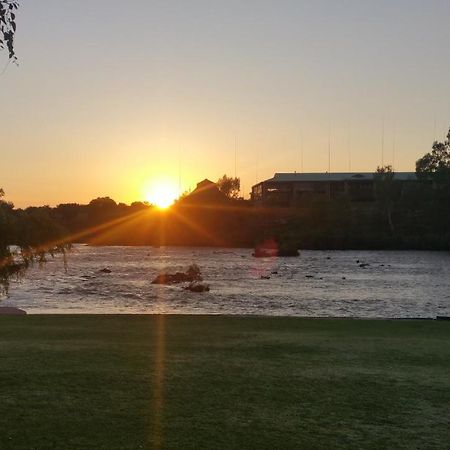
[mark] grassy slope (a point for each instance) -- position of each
(82, 382)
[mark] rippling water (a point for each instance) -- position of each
(318, 283)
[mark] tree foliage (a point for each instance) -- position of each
(230, 186)
(435, 165)
(8, 26)
(26, 236)
(7, 222)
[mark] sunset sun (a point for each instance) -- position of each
(161, 194)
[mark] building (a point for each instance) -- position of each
(294, 189)
(206, 193)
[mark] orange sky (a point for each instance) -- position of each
(93, 111)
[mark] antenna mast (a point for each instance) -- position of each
(349, 147)
(301, 152)
(235, 156)
(329, 148)
(394, 143)
(256, 168)
(179, 169)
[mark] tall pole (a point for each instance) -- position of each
(179, 169)
(349, 147)
(382, 143)
(301, 152)
(394, 138)
(329, 148)
(329, 160)
(235, 156)
(256, 169)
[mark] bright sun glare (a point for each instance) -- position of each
(162, 194)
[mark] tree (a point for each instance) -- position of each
(103, 203)
(386, 191)
(7, 266)
(435, 165)
(434, 170)
(229, 186)
(26, 236)
(8, 26)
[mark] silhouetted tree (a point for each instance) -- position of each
(103, 202)
(8, 26)
(139, 206)
(229, 186)
(435, 165)
(26, 236)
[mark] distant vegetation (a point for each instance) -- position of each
(436, 164)
(416, 218)
(27, 236)
(230, 186)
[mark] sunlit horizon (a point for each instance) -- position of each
(244, 89)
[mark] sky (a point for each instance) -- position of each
(112, 96)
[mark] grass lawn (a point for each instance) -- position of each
(185, 382)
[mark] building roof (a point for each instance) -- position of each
(336, 176)
(206, 193)
(205, 184)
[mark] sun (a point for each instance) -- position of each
(162, 194)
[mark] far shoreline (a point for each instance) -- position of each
(309, 249)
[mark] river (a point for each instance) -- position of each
(365, 284)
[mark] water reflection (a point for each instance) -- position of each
(318, 283)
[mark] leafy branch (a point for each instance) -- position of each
(8, 26)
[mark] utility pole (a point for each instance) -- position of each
(329, 148)
(235, 156)
(394, 138)
(301, 153)
(256, 169)
(179, 169)
(349, 147)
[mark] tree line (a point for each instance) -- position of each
(418, 218)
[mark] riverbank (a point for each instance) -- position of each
(129, 382)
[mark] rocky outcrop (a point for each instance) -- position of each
(191, 275)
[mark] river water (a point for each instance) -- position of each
(392, 284)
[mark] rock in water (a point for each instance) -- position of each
(197, 287)
(192, 274)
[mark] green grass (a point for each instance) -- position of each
(174, 382)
